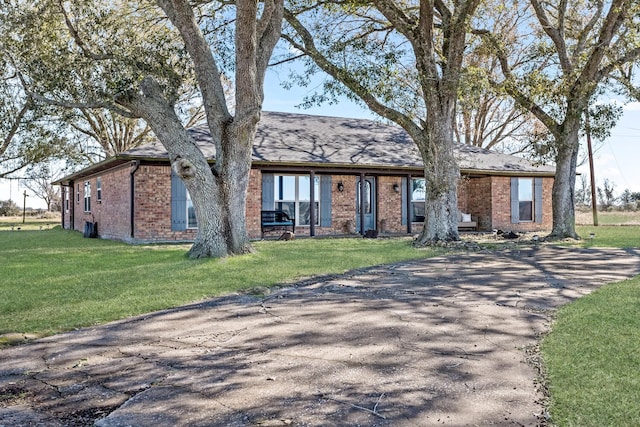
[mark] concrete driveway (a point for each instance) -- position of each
(443, 341)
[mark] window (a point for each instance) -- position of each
(525, 199)
(418, 193)
(292, 194)
(192, 222)
(78, 193)
(87, 196)
(368, 199)
(67, 196)
(99, 189)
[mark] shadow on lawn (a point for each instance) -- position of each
(417, 343)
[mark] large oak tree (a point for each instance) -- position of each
(583, 44)
(403, 60)
(133, 58)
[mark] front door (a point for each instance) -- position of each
(366, 204)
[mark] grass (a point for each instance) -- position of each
(608, 217)
(15, 223)
(54, 280)
(609, 236)
(591, 355)
(592, 359)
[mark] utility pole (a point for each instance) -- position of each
(594, 204)
(24, 206)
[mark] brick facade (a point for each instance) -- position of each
(110, 211)
(486, 198)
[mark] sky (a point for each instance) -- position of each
(616, 159)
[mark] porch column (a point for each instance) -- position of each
(312, 207)
(408, 201)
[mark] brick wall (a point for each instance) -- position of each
(111, 212)
(474, 197)
(390, 205)
(487, 199)
(343, 206)
(501, 195)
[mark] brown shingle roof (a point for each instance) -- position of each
(302, 139)
(288, 138)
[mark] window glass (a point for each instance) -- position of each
(293, 196)
(525, 199)
(87, 196)
(418, 195)
(304, 188)
(285, 187)
(419, 190)
(99, 188)
(367, 198)
(192, 222)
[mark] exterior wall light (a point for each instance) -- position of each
(340, 187)
(396, 187)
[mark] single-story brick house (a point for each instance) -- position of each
(134, 196)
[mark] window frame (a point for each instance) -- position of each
(278, 192)
(414, 202)
(530, 186)
(99, 189)
(190, 207)
(87, 196)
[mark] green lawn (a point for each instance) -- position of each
(55, 280)
(592, 358)
(592, 354)
(610, 236)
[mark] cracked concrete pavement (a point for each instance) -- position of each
(446, 340)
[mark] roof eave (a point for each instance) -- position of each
(93, 169)
(493, 172)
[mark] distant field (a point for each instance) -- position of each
(608, 218)
(44, 222)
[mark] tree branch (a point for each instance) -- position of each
(555, 34)
(180, 13)
(76, 37)
(344, 77)
(613, 21)
(14, 128)
(511, 86)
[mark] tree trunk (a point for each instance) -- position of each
(218, 194)
(564, 221)
(441, 177)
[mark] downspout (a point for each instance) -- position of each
(132, 200)
(72, 206)
(62, 207)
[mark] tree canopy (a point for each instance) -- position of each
(404, 61)
(136, 59)
(575, 47)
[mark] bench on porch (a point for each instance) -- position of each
(466, 221)
(276, 220)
